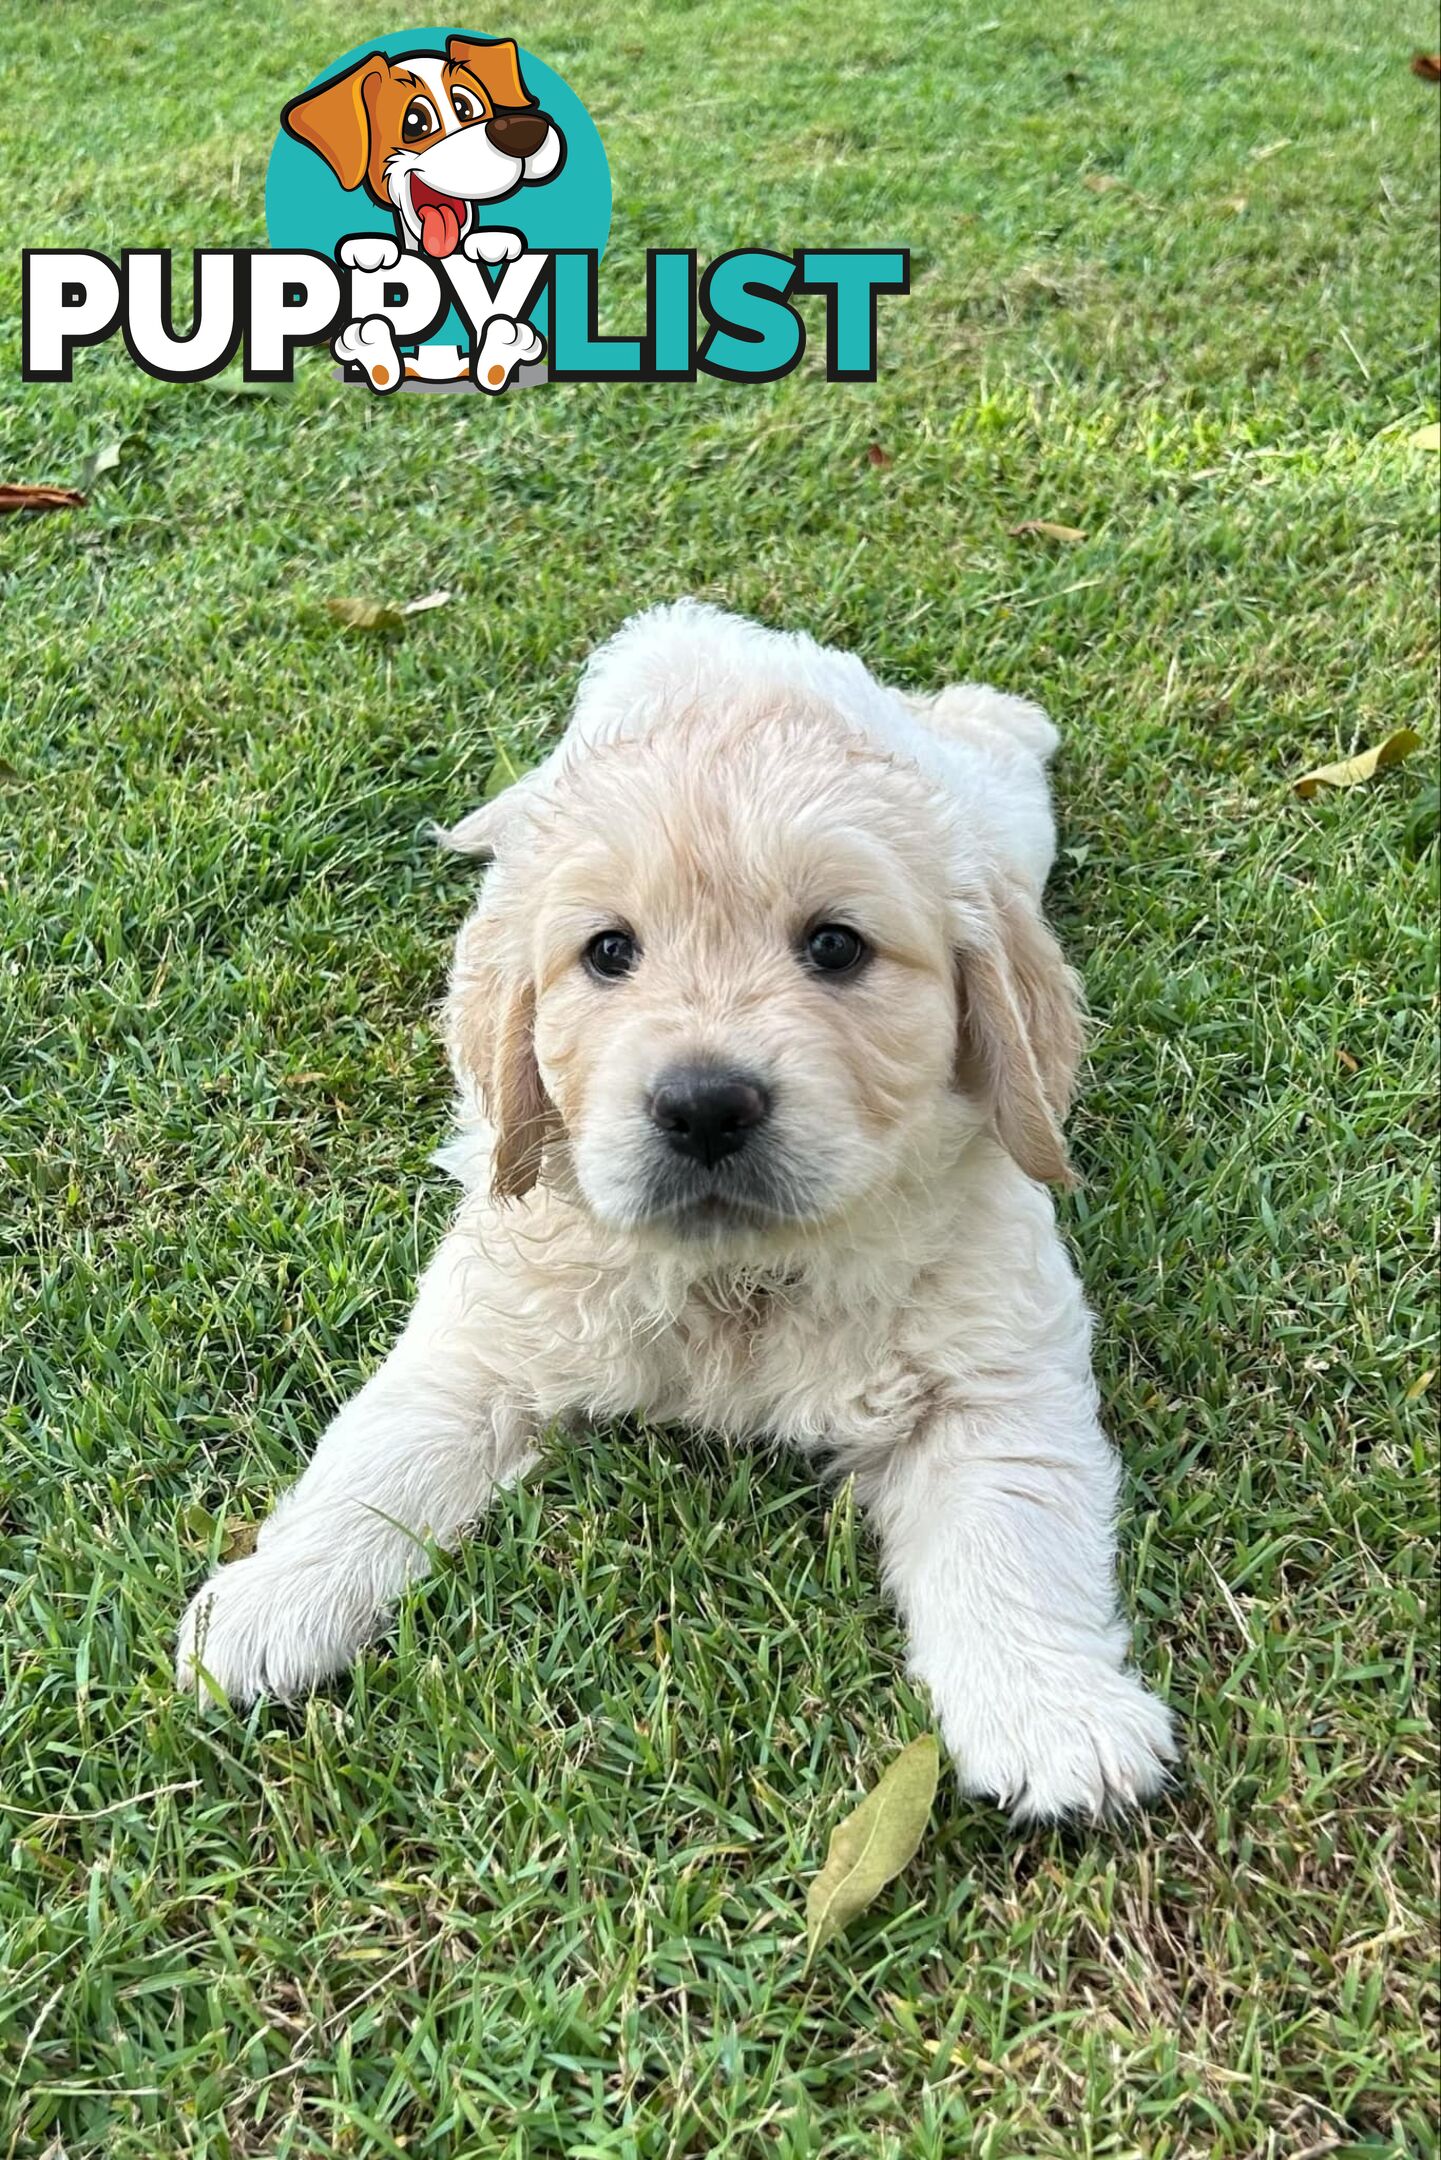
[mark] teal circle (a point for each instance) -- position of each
(306, 206)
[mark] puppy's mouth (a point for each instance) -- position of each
(442, 218)
(717, 1208)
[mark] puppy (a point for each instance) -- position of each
(763, 1049)
(431, 136)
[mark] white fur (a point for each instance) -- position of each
(371, 345)
(930, 1339)
(505, 345)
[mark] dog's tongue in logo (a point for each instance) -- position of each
(440, 217)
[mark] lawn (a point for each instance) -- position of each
(531, 1883)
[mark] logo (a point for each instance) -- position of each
(437, 205)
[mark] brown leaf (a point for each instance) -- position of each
(1350, 772)
(240, 1541)
(365, 614)
(1043, 529)
(1427, 65)
(878, 457)
(1101, 183)
(20, 495)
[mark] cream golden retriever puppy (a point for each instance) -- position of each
(763, 1049)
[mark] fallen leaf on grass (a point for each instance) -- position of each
(1271, 149)
(1043, 529)
(1101, 183)
(878, 457)
(503, 774)
(365, 614)
(381, 614)
(1418, 1387)
(19, 495)
(1426, 438)
(240, 1542)
(1427, 65)
(874, 1842)
(98, 462)
(1349, 772)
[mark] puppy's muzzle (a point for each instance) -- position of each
(518, 134)
(706, 1113)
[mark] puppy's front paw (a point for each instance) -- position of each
(1092, 1741)
(265, 1626)
(494, 246)
(370, 346)
(368, 251)
(506, 344)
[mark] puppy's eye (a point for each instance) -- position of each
(466, 108)
(611, 954)
(835, 949)
(420, 119)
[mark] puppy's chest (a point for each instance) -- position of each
(768, 1362)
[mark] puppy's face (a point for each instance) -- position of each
(431, 135)
(713, 986)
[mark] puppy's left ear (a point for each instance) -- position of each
(1020, 1028)
(334, 120)
(495, 62)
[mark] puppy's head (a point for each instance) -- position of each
(431, 134)
(730, 980)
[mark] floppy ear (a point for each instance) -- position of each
(1020, 1030)
(482, 830)
(490, 1026)
(335, 121)
(496, 64)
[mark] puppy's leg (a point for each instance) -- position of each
(407, 1464)
(996, 1529)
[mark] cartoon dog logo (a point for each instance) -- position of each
(433, 137)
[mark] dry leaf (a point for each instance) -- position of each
(430, 600)
(17, 495)
(1101, 183)
(874, 1842)
(240, 1542)
(1427, 65)
(878, 457)
(1426, 438)
(1271, 149)
(1236, 204)
(365, 614)
(1043, 529)
(98, 462)
(1349, 772)
(1418, 1387)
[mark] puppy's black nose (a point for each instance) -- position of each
(518, 134)
(708, 1113)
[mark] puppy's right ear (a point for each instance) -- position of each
(490, 1032)
(477, 833)
(483, 831)
(334, 119)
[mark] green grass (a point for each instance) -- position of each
(531, 1884)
